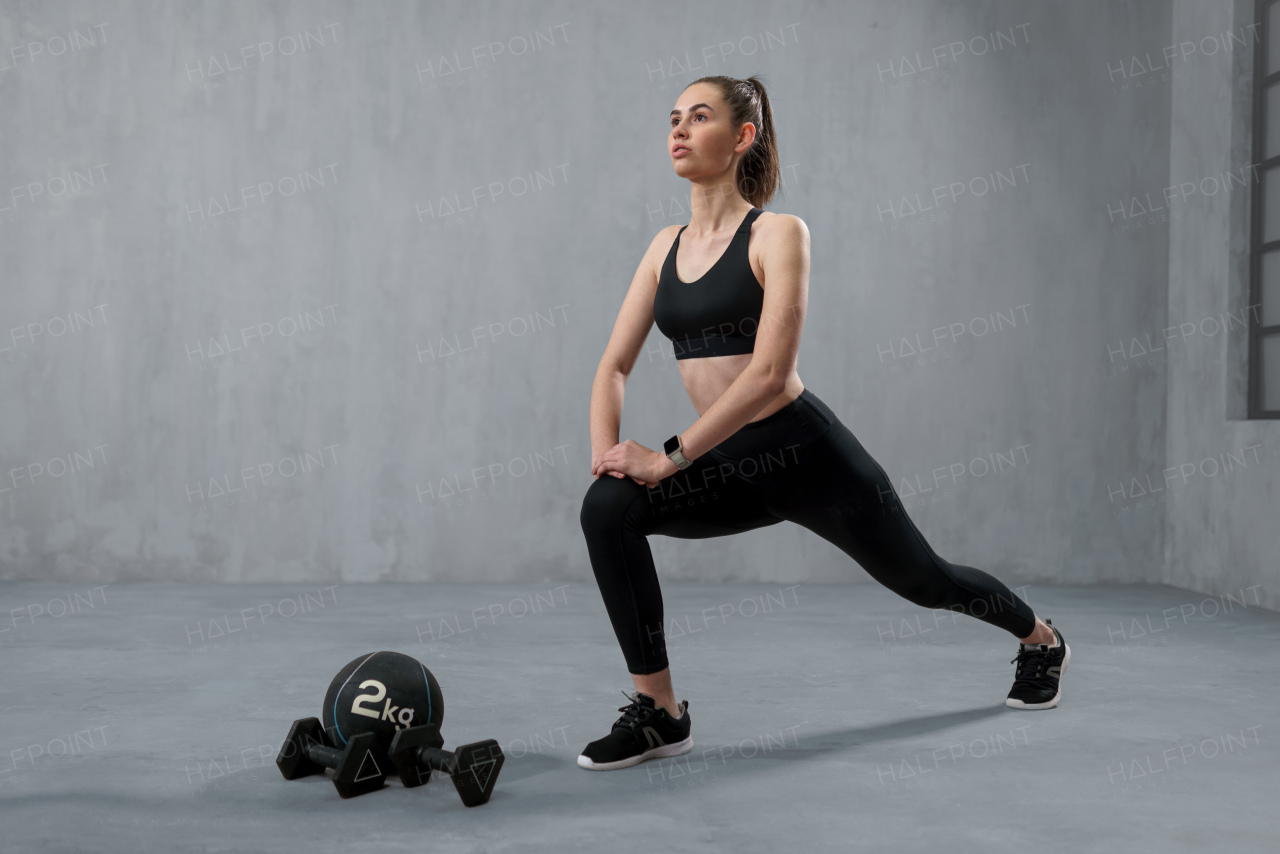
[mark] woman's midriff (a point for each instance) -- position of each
(705, 380)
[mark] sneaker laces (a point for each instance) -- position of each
(634, 712)
(1037, 655)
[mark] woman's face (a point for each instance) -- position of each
(702, 139)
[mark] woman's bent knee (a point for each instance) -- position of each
(606, 501)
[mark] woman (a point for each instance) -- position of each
(730, 291)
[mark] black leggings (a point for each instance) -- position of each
(800, 464)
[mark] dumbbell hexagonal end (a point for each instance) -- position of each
(292, 760)
(362, 768)
(476, 770)
(404, 752)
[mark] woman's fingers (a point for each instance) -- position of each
(599, 467)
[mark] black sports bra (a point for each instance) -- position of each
(718, 314)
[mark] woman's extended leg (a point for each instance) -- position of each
(838, 491)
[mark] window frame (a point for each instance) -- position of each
(1257, 332)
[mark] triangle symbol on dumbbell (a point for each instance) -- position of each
(482, 772)
(368, 768)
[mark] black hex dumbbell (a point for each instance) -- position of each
(358, 767)
(472, 767)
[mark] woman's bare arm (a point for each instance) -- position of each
(630, 330)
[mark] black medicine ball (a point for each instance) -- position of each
(381, 693)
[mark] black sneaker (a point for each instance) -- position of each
(643, 732)
(1037, 684)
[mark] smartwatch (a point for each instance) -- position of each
(672, 448)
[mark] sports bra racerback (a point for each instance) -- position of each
(718, 314)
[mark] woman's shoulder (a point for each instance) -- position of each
(665, 237)
(785, 220)
(784, 226)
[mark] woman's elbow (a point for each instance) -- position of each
(771, 375)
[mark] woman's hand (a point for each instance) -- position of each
(631, 459)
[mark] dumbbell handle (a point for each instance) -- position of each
(441, 760)
(322, 755)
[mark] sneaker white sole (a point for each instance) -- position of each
(676, 749)
(1048, 704)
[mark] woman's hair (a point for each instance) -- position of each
(758, 171)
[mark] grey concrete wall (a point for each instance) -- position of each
(316, 291)
(1221, 498)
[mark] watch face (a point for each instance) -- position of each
(672, 445)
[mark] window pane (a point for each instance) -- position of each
(1271, 205)
(1271, 371)
(1270, 290)
(1273, 38)
(1272, 105)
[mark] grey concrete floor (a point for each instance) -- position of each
(147, 717)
